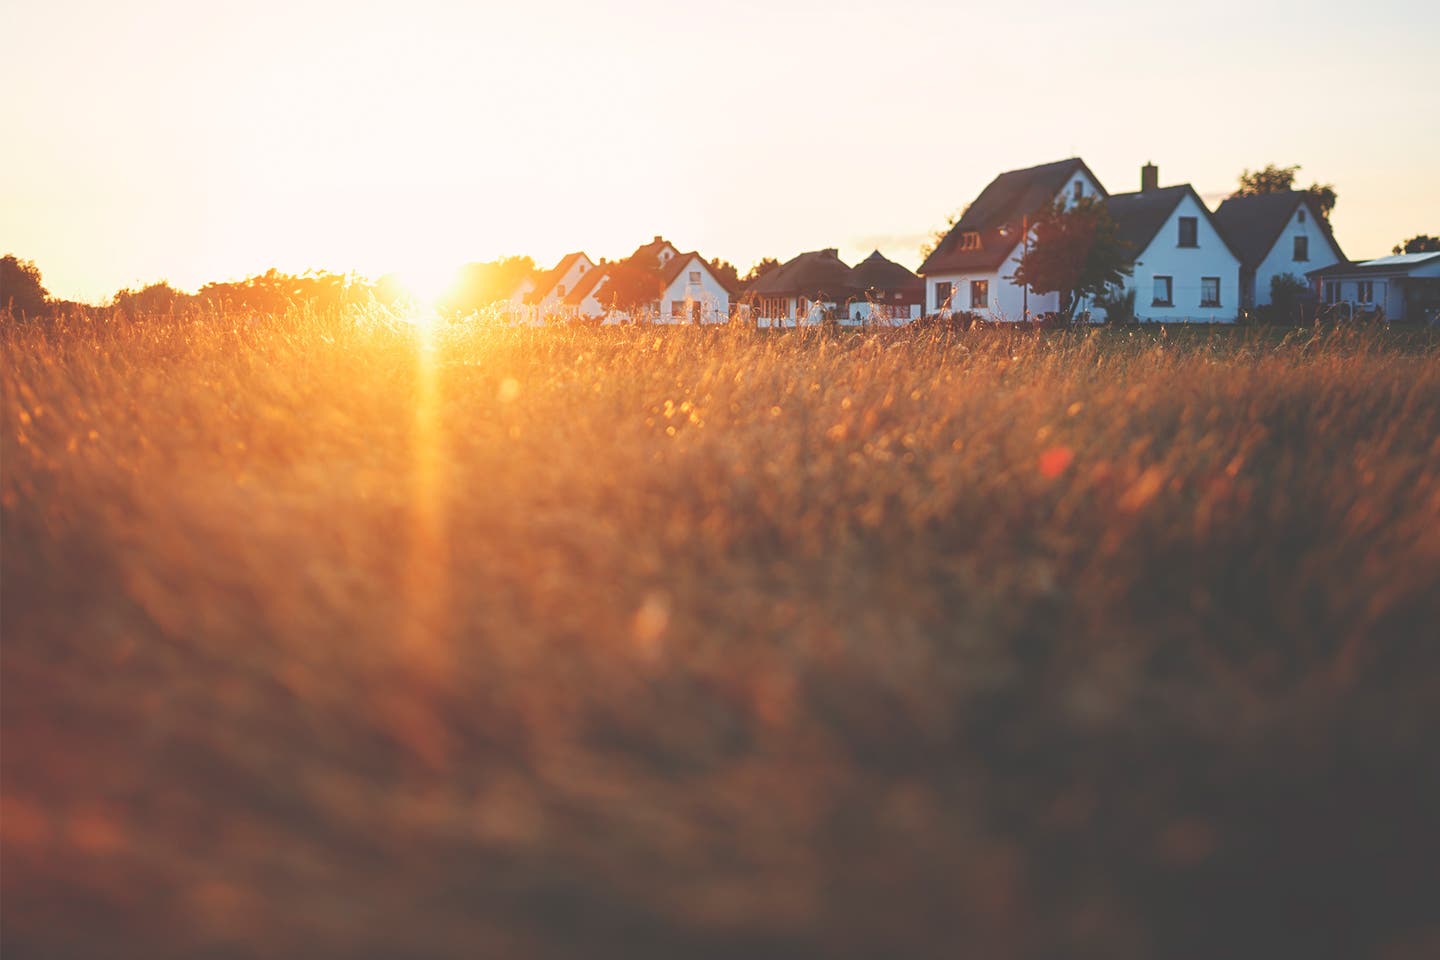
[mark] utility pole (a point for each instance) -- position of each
(1025, 229)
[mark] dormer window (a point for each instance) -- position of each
(970, 240)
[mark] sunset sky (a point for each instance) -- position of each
(197, 141)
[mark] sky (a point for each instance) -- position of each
(189, 142)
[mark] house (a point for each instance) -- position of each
(690, 291)
(804, 289)
(1405, 287)
(973, 265)
(1276, 234)
(545, 295)
(892, 294)
(1183, 270)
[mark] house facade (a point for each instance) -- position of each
(1403, 288)
(971, 269)
(1182, 271)
(690, 292)
(1276, 234)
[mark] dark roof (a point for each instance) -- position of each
(648, 254)
(1252, 225)
(1390, 266)
(997, 213)
(1139, 216)
(878, 274)
(547, 280)
(818, 274)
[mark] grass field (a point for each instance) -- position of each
(349, 639)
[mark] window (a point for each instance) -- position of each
(694, 276)
(1302, 248)
(969, 240)
(979, 294)
(1367, 291)
(1209, 291)
(942, 296)
(1188, 228)
(1302, 216)
(1332, 291)
(677, 308)
(1164, 290)
(1079, 189)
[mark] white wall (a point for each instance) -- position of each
(553, 299)
(713, 298)
(1280, 259)
(1186, 265)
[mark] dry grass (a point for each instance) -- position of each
(319, 641)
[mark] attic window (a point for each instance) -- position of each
(694, 276)
(1302, 216)
(1079, 189)
(970, 240)
(1188, 228)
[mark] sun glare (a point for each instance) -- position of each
(427, 284)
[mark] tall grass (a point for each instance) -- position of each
(345, 638)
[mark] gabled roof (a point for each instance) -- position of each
(879, 274)
(679, 262)
(587, 283)
(648, 254)
(996, 216)
(818, 274)
(1398, 265)
(1139, 216)
(1253, 225)
(547, 280)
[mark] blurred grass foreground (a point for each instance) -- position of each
(347, 638)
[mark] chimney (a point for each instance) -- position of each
(658, 238)
(832, 251)
(1149, 178)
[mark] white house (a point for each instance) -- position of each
(971, 269)
(690, 291)
(1405, 287)
(544, 296)
(1276, 234)
(1183, 270)
(804, 289)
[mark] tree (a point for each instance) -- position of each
(481, 284)
(630, 287)
(1077, 253)
(764, 266)
(1275, 179)
(21, 290)
(1420, 243)
(154, 300)
(726, 273)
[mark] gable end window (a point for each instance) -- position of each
(1189, 227)
(979, 294)
(694, 276)
(942, 296)
(1209, 291)
(1079, 189)
(1302, 216)
(1302, 248)
(1164, 295)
